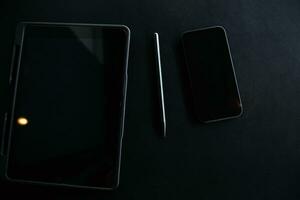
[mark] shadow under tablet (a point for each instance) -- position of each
(211, 74)
(71, 90)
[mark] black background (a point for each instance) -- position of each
(252, 157)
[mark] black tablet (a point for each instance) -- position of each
(211, 74)
(66, 118)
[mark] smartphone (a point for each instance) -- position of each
(66, 119)
(211, 74)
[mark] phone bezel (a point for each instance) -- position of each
(233, 69)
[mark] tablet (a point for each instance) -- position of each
(66, 118)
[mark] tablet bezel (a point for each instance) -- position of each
(14, 74)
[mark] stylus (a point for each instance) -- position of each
(160, 83)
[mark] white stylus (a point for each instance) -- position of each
(160, 83)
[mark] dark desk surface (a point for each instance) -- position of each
(254, 157)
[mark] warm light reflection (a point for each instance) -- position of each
(22, 121)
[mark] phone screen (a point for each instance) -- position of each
(211, 73)
(69, 104)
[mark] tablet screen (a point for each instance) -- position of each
(69, 104)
